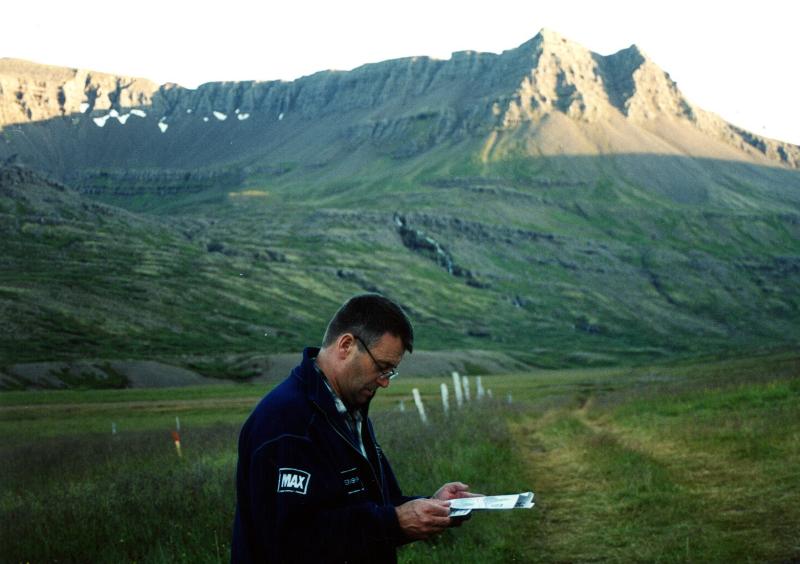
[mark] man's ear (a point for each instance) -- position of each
(345, 345)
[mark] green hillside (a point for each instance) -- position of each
(560, 259)
(567, 207)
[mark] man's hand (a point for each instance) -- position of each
(454, 490)
(423, 518)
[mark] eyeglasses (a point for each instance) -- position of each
(388, 374)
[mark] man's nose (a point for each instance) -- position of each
(383, 382)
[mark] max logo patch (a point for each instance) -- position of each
(293, 480)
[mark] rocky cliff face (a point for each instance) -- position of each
(32, 92)
(409, 105)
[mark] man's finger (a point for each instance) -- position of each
(470, 494)
(435, 516)
(439, 507)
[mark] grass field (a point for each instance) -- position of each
(682, 462)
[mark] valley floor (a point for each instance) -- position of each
(689, 462)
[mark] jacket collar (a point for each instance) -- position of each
(316, 390)
(313, 385)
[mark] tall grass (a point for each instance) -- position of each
(673, 463)
(706, 475)
(474, 446)
(124, 498)
(129, 498)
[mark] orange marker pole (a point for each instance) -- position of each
(177, 438)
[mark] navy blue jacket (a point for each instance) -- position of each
(304, 492)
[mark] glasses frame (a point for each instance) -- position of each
(390, 374)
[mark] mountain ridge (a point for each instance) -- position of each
(470, 94)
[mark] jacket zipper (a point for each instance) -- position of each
(378, 453)
(350, 444)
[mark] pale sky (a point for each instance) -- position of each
(737, 58)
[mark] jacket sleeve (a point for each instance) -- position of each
(307, 519)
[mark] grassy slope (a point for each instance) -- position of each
(86, 280)
(586, 263)
(574, 261)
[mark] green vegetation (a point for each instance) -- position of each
(704, 475)
(670, 462)
(547, 254)
(654, 295)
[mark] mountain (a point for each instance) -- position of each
(569, 207)
(616, 104)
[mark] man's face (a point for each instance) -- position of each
(362, 377)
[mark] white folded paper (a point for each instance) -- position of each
(463, 506)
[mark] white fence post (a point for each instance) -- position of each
(402, 406)
(479, 389)
(465, 382)
(420, 407)
(457, 389)
(445, 399)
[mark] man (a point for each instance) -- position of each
(312, 483)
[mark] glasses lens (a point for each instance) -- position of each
(387, 374)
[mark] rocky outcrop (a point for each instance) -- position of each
(33, 92)
(137, 182)
(470, 230)
(14, 176)
(420, 242)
